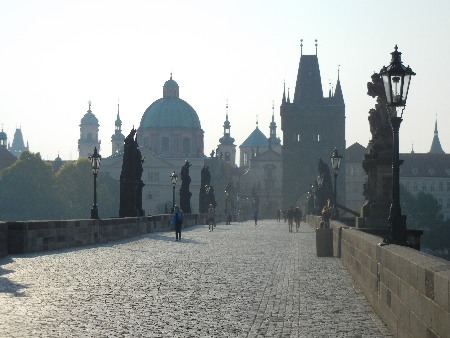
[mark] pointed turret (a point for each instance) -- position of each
(308, 88)
(18, 145)
(274, 141)
(227, 147)
(226, 139)
(338, 97)
(117, 139)
(436, 144)
(283, 100)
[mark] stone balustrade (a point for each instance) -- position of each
(408, 289)
(34, 236)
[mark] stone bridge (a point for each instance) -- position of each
(240, 280)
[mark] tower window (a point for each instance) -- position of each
(245, 159)
(318, 137)
(298, 138)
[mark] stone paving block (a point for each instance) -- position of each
(237, 281)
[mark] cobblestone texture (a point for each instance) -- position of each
(240, 280)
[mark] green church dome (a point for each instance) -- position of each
(170, 111)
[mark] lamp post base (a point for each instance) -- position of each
(94, 212)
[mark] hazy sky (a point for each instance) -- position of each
(55, 56)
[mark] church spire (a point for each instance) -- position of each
(118, 122)
(283, 100)
(273, 139)
(226, 139)
(436, 147)
(338, 96)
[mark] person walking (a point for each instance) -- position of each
(290, 217)
(297, 217)
(278, 215)
(177, 220)
(211, 217)
(255, 216)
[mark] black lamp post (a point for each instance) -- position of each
(396, 81)
(226, 207)
(335, 164)
(173, 180)
(95, 163)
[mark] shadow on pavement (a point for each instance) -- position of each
(6, 285)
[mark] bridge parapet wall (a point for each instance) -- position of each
(34, 236)
(408, 289)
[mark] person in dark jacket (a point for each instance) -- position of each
(290, 217)
(177, 220)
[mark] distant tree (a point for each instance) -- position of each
(75, 184)
(424, 213)
(108, 195)
(27, 190)
(74, 187)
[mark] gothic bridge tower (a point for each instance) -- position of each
(312, 125)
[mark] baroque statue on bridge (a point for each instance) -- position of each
(185, 194)
(131, 178)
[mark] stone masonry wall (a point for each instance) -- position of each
(409, 290)
(34, 236)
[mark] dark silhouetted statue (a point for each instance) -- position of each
(130, 178)
(205, 182)
(185, 194)
(324, 190)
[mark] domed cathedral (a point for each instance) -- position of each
(170, 127)
(226, 148)
(88, 134)
(312, 125)
(169, 134)
(117, 139)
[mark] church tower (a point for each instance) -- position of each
(436, 147)
(312, 127)
(274, 140)
(117, 138)
(18, 145)
(88, 134)
(227, 147)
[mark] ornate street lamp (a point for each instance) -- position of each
(335, 164)
(95, 163)
(173, 180)
(396, 81)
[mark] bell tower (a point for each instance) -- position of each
(227, 147)
(312, 127)
(88, 134)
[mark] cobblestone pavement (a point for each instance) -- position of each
(240, 280)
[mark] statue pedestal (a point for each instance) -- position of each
(378, 191)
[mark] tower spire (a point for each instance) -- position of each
(436, 147)
(316, 47)
(301, 47)
(283, 100)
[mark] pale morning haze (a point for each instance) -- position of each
(55, 56)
